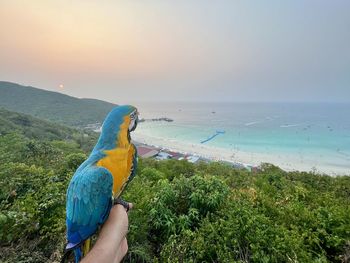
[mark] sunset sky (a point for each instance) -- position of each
(126, 51)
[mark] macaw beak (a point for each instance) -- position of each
(135, 124)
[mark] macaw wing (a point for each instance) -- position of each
(88, 202)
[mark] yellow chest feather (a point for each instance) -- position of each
(120, 159)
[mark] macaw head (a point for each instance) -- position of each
(117, 126)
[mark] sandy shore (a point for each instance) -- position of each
(287, 162)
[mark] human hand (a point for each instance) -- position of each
(111, 245)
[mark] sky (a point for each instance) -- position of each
(184, 50)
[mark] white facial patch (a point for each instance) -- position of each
(133, 118)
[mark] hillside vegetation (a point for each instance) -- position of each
(41, 130)
(183, 212)
(52, 106)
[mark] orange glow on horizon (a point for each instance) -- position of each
(112, 39)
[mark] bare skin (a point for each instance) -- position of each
(111, 245)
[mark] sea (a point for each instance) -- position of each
(307, 131)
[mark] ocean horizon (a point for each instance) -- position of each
(294, 136)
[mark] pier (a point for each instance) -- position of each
(213, 136)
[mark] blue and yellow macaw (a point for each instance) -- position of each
(100, 180)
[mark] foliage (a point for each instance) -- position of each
(206, 212)
(42, 131)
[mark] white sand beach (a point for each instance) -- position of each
(288, 162)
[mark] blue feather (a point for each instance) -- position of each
(88, 202)
(110, 127)
(77, 254)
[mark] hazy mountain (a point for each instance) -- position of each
(52, 106)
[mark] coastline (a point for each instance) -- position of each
(287, 162)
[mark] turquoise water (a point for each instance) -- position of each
(304, 129)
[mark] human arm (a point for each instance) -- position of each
(111, 245)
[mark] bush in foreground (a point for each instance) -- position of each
(183, 212)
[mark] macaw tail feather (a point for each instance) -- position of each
(77, 254)
(68, 252)
(86, 246)
(66, 255)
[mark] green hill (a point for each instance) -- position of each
(52, 106)
(32, 128)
